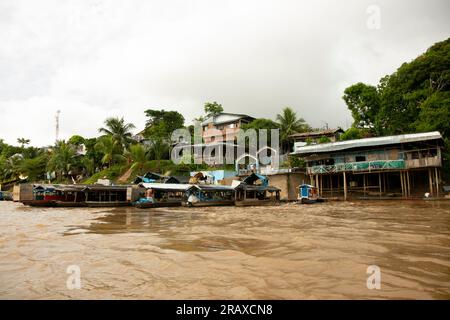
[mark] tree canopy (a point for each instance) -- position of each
(160, 123)
(213, 108)
(415, 98)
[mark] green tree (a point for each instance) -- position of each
(161, 123)
(76, 140)
(262, 123)
(416, 89)
(138, 155)
(289, 124)
(23, 142)
(415, 98)
(119, 131)
(364, 103)
(61, 159)
(10, 167)
(110, 150)
(212, 109)
(34, 168)
(158, 148)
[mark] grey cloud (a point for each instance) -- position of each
(255, 57)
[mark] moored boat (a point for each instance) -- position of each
(157, 195)
(309, 194)
(254, 190)
(208, 195)
(106, 196)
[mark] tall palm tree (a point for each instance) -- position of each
(110, 150)
(62, 158)
(23, 142)
(138, 156)
(10, 167)
(158, 148)
(119, 131)
(290, 124)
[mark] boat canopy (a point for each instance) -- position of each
(254, 177)
(166, 186)
(104, 188)
(211, 188)
(304, 190)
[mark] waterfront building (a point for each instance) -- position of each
(405, 166)
(303, 138)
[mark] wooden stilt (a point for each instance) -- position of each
(338, 185)
(430, 180)
(379, 182)
(364, 184)
(437, 181)
(321, 185)
(401, 184)
(345, 187)
(331, 185)
(408, 183)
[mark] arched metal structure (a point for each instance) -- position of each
(246, 155)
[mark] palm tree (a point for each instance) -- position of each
(10, 167)
(290, 124)
(158, 148)
(110, 150)
(119, 131)
(62, 158)
(23, 142)
(138, 155)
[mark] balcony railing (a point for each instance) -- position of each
(358, 166)
(423, 162)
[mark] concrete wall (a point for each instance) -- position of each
(23, 192)
(288, 183)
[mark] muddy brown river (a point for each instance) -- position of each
(317, 251)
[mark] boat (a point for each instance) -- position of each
(106, 196)
(56, 196)
(208, 195)
(255, 191)
(157, 195)
(309, 194)
(5, 196)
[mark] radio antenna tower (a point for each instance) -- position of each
(57, 124)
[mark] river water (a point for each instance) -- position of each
(291, 251)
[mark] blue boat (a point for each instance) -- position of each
(5, 196)
(309, 194)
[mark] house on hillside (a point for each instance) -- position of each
(223, 127)
(314, 137)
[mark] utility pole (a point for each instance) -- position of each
(57, 124)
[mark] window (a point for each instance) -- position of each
(232, 125)
(360, 158)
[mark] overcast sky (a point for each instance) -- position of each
(95, 59)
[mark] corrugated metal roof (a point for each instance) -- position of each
(224, 118)
(315, 133)
(212, 187)
(166, 186)
(367, 142)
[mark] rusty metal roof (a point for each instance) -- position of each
(367, 142)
